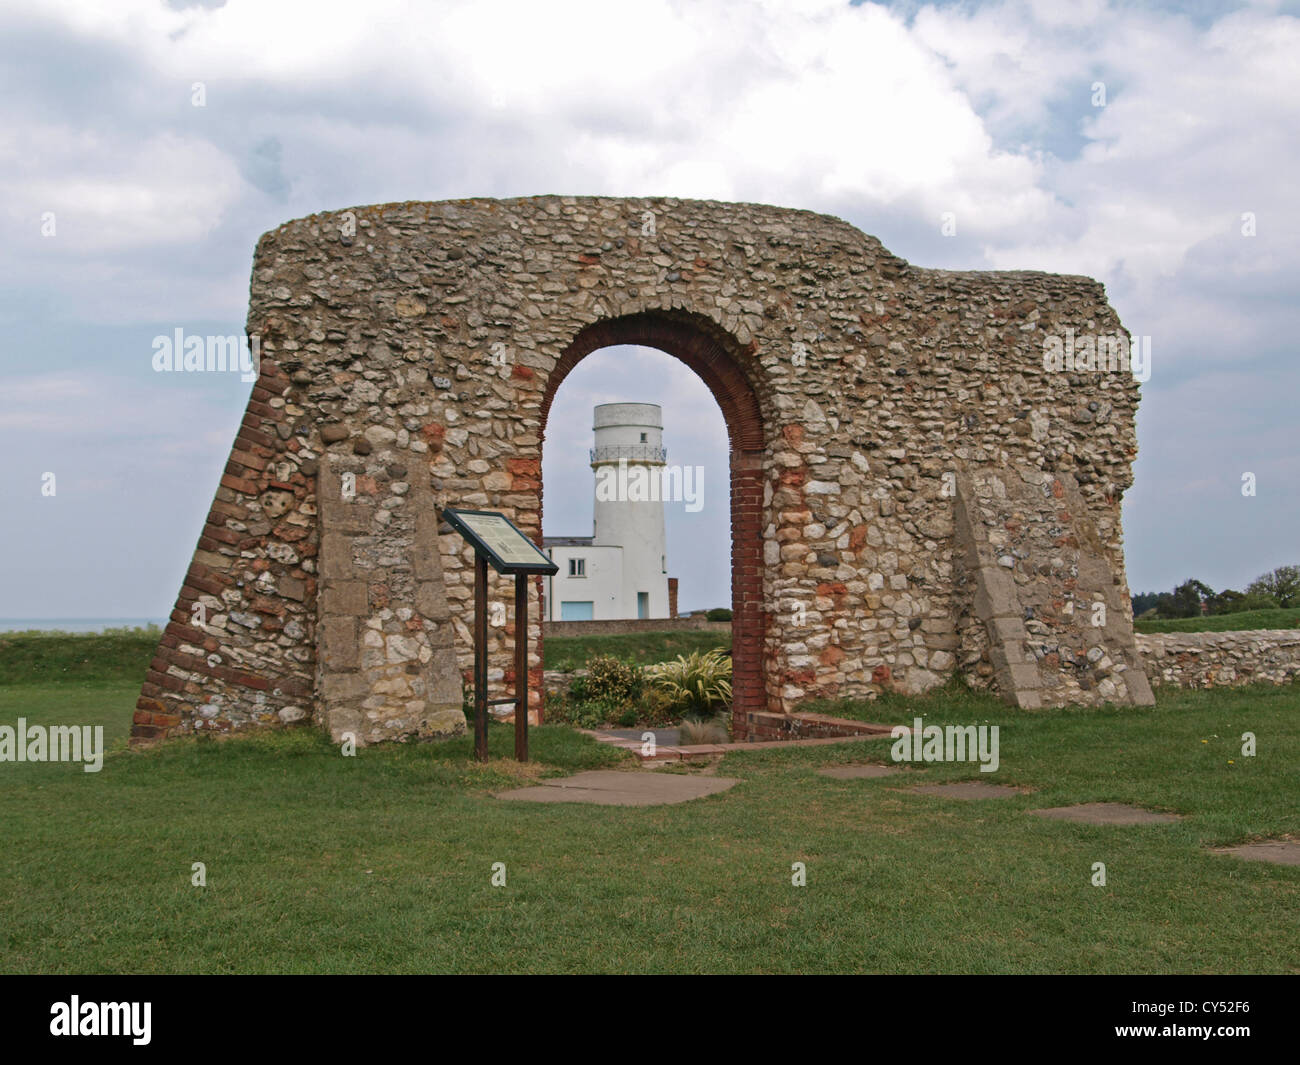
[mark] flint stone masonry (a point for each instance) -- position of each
(1050, 622)
(410, 353)
(1221, 659)
(385, 671)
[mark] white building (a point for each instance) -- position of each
(621, 570)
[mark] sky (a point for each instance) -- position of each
(145, 145)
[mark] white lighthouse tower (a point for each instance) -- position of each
(628, 459)
(621, 571)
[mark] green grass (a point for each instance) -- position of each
(123, 654)
(1280, 618)
(119, 655)
(320, 863)
(567, 653)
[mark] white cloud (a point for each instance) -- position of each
(108, 195)
(801, 104)
(1198, 127)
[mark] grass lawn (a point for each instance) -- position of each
(1280, 618)
(567, 653)
(320, 863)
(81, 658)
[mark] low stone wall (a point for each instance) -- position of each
(630, 625)
(557, 683)
(1220, 659)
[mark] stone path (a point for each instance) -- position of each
(1088, 813)
(859, 772)
(664, 737)
(609, 787)
(1277, 851)
(630, 740)
(1105, 813)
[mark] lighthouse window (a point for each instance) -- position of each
(577, 567)
(643, 438)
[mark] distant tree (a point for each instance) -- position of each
(1185, 601)
(1230, 601)
(1227, 601)
(1283, 585)
(1144, 601)
(1255, 601)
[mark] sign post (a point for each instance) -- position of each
(497, 540)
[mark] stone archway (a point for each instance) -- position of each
(918, 491)
(720, 361)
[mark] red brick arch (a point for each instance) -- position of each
(719, 360)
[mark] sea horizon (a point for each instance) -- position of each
(76, 624)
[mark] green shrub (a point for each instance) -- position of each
(657, 708)
(610, 680)
(718, 613)
(652, 708)
(608, 693)
(585, 713)
(700, 684)
(594, 715)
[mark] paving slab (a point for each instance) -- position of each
(664, 737)
(611, 787)
(969, 790)
(859, 772)
(1277, 851)
(1105, 813)
(630, 740)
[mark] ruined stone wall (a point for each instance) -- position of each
(1050, 623)
(239, 649)
(1221, 659)
(416, 346)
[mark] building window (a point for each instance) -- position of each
(577, 567)
(643, 438)
(643, 604)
